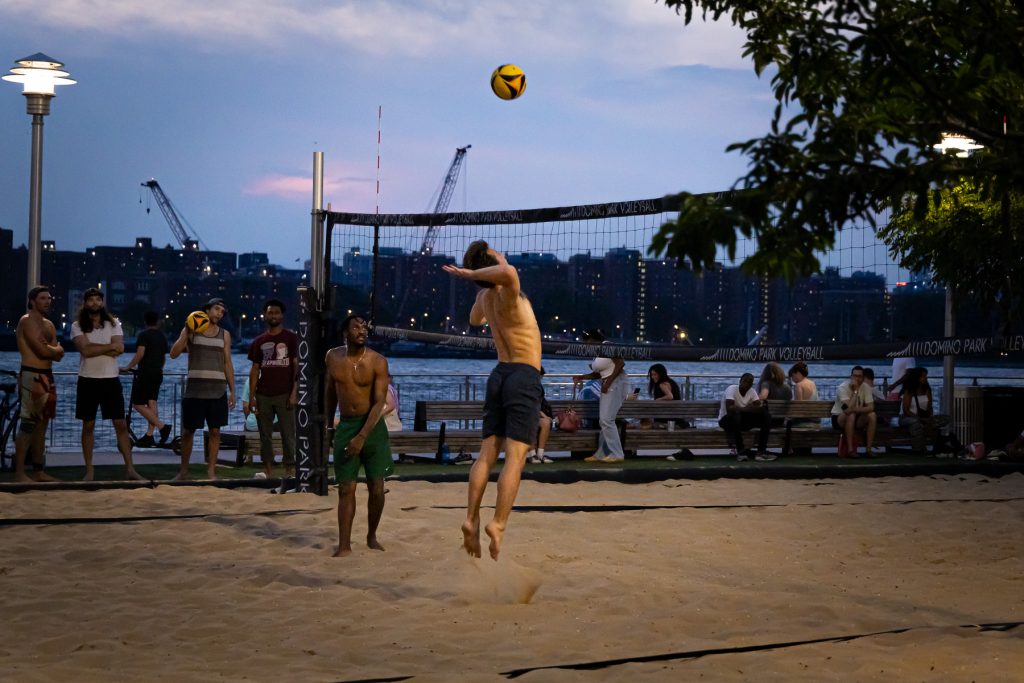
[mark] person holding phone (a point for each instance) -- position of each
(661, 387)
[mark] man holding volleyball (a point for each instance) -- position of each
(207, 399)
(512, 401)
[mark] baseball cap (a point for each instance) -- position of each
(215, 301)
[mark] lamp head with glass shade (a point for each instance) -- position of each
(961, 144)
(39, 76)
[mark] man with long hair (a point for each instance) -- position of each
(98, 337)
(512, 400)
(37, 344)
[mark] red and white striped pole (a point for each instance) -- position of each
(379, 110)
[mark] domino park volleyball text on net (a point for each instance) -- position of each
(508, 81)
(197, 321)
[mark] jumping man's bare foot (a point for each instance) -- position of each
(373, 544)
(342, 552)
(495, 531)
(471, 536)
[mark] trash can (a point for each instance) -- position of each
(1003, 416)
(968, 413)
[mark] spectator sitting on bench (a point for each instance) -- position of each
(392, 409)
(741, 410)
(869, 379)
(804, 388)
(853, 411)
(536, 455)
(661, 387)
(918, 416)
(772, 387)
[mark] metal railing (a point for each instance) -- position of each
(64, 431)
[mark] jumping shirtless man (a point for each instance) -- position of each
(37, 343)
(357, 382)
(512, 402)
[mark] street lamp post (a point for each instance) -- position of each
(39, 76)
(963, 147)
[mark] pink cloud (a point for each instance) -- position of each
(301, 187)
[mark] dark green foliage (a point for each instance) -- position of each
(864, 90)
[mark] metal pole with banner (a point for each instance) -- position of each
(310, 465)
(311, 461)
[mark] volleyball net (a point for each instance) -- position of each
(588, 266)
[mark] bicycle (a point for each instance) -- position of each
(10, 412)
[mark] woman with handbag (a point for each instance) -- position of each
(614, 384)
(919, 418)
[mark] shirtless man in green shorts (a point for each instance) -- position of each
(512, 400)
(358, 382)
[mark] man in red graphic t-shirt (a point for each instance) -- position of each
(273, 391)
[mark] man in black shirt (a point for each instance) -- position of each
(150, 353)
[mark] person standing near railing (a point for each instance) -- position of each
(614, 385)
(273, 389)
(205, 400)
(150, 354)
(37, 344)
(98, 337)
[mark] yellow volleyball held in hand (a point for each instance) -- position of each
(197, 321)
(508, 81)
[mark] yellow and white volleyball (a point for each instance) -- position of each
(197, 321)
(508, 81)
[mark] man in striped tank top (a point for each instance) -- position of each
(209, 388)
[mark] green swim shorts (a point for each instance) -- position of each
(375, 457)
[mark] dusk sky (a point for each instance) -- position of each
(224, 104)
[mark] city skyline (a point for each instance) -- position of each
(224, 105)
(632, 297)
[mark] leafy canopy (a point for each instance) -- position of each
(965, 242)
(863, 89)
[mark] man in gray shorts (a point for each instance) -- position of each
(512, 403)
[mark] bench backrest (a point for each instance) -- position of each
(439, 411)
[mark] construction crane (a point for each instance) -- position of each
(444, 196)
(177, 227)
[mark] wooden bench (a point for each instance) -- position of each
(461, 432)
(707, 434)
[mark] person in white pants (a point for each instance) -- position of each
(614, 386)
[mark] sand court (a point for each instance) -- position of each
(861, 579)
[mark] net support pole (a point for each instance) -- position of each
(311, 465)
(316, 240)
(373, 274)
(949, 362)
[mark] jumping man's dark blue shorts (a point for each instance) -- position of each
(512, 403)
